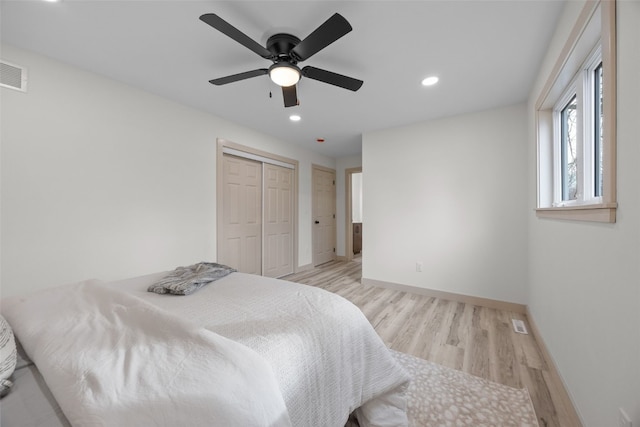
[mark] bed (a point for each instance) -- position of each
(243, 351)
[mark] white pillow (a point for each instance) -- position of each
(8, 356)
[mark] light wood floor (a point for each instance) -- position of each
(470, 338)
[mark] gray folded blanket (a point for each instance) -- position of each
(187, 280)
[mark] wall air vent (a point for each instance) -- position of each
(13, 76)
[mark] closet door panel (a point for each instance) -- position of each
(241, 246)
(278, 224)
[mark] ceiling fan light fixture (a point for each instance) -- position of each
(284, 74)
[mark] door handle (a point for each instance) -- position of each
(317, 222)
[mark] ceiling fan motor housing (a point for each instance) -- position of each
(280, 45)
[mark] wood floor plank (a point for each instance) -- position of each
(546, 412)
(393, 317)
(423, 318)
(454, 329)
(431, 339)
(477, 340)
(408, 338)
(476, 360)
(508, 370)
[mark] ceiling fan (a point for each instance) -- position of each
(286, 51)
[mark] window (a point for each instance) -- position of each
(597, 123)
(568, 146)
(576, 124)
(577, 138)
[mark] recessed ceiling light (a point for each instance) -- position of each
(294, 118)
(52, 1)
(430, 81)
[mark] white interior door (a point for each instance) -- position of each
(324, 215)
(241, 246)
(278, 221)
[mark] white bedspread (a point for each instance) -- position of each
(325, 354)
(253, 345)
(111, 359)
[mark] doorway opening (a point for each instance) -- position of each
(353, 204)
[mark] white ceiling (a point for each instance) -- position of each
(486, 54)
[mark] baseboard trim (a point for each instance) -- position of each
(563, 394)
(483, 302)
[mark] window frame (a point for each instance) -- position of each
(573, 74)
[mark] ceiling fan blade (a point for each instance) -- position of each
(240, 76)
(332, 78)
(331, 30)
(290, 96)
(229, 30)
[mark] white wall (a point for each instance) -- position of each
(450, 193)
(584, 280)
(100, 179)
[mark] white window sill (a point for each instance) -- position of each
(603, 212)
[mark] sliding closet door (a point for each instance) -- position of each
(278, 221)
(242, 215)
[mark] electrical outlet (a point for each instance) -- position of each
(623, 419)
(419, 267)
